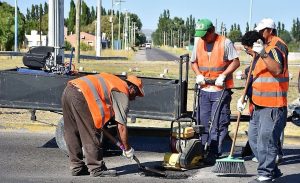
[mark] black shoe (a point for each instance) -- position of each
(104, 173)
(277, 174)
(210, 160)
(263, 181)
(80, 171)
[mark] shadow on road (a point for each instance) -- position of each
(288, 178)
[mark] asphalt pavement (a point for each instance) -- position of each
(35, 157)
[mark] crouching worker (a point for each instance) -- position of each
(88, 103)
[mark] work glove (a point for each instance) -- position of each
(220, 80)
(200, 79)
(129, 153)
(239, 75)
(241, 105)
(258, 47)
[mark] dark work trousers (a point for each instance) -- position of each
(207, 104)
(265, 127)
(79, 131)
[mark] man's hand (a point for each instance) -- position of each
(220, 80)
(129, 153)
(200, 79)
(258, 47)
(241, 105)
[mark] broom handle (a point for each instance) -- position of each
(239, 114)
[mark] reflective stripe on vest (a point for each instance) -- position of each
(97, 93)
(269, 91)
(106, 94)
(270, 94)
(211, 66)
(201, 68)
(96, 96)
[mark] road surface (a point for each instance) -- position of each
(34, 157)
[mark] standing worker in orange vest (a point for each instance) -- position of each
(90, 102)
(267, 28)
(216, 59)
(269, 96)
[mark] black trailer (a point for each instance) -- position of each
(35, 89)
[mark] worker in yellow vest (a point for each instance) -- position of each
(269, 96)
(89, 103)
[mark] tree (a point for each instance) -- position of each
(85, 14)
(93, 14)
(72, 18)
(32, 14)
(46, 8)
(296, 29)
(7, 26)
(247, 27)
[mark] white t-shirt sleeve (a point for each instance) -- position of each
(230, 51)
(194, 51)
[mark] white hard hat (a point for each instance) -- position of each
(265, 23)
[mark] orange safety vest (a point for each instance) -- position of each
(269, 90)
(211, 67)
(96, 90)
(279, 43)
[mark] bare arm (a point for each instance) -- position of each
(123, 135)
(195, 68)
(273, 66)
(232, 66)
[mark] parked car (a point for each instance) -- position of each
(148, 45)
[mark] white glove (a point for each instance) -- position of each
(220, 80)
(241, 105)
(258, 47)
(200, 79)
(129, 153)
(239, 75)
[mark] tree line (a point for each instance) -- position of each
(170, 31)
(177, 32)
(36, 18)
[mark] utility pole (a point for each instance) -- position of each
(77, 29)
(16, 25)
(250, 14)
(119, 31)
(134, 28)
(126, 31)
(98, 34)
(112, 24)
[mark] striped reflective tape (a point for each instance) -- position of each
(96, 96)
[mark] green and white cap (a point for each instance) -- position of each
(202, 26)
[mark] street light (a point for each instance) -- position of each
(16, 25)
(250, 14)
(112, 24)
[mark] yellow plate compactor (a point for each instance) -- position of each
(186, 148)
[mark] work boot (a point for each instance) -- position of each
(210, 159)
(78, 171)
(104, 173)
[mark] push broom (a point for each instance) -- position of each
(231, 164)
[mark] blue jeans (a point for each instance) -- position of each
(265, 128)
(207, 105)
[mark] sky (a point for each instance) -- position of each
(226, 11)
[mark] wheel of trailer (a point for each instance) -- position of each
(59, 136)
